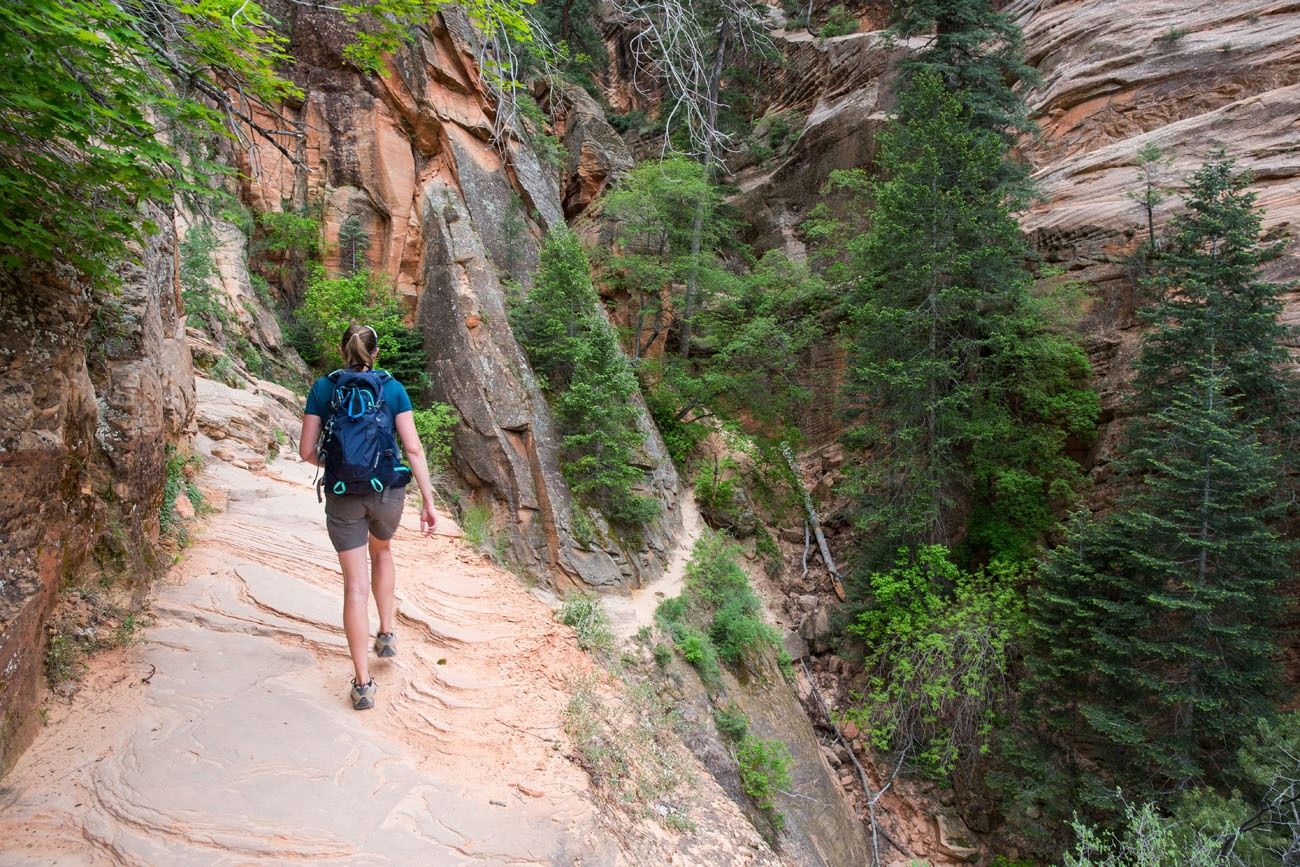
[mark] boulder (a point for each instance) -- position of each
(815, 628)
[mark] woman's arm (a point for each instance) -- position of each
(414, 449)
(307, 439)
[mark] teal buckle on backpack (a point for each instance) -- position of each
(376, 484)
(340, 487)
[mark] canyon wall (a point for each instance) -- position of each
(454, 201)
(93, 389)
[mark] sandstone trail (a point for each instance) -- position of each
(226, 736)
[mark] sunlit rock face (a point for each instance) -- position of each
(453, 202)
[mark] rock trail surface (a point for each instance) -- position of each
(225, 736)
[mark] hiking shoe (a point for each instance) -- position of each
(385, 645)
(363, 695)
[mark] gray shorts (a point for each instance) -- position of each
(351, 518)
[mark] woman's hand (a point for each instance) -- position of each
(428, 519)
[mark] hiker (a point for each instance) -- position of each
(347, 430)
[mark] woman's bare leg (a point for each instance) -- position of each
(356, 602)
(382, 580)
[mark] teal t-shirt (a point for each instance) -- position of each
(318, 399)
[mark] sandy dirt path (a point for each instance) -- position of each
(629, 613)
(225, 736)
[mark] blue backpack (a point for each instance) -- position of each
(356, 446)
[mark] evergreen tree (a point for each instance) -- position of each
(1154, 626)
(975, 51)
(574, 350)
(962, 396)
(1212, 302)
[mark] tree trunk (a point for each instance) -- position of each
(697, 225)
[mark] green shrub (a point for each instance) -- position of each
(714, 574)
(585, 614)
(680, 437)
(941, 643)
(1171, 36)
(738, 627)
(289, 232)
(331, 304)
(698, 651)
(731, 722)
(176, 482)
(719, 494)
(717, 595)
(197, 270)
(476, 524)
(663, 654)
(764, 770)
(671, 610)
(770, 553)
(435, 426)
(839, 22)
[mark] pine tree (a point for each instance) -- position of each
(574, 350)
(975, 51)
(962, 396)
(1211, 300)
(1154, 626)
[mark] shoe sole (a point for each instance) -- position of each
(386, 652)
(364, 704)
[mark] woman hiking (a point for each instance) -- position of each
(347, 430)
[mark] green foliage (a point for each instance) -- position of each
(1171, 36)
(959, 389)
(656, 208)
(331, 304)
(839, 22)
(476, 524)
(1156, 627)
(718, 615)
(1152, 163)
(1146, 840)
(718, 491)
(764, 771)
(436, 426)
(381, 27)
(1255, 826)
(573, 27)
(573, 349)
(976, 50)
(203, 299)
(548, 147)
(587, 616)
(1212, 303)
(176, 481)
(699, 652)
(739, 338)
(732, 723)
(681, 436)
(89, 87)
(289, 232)
(940, 647)
(663, 654)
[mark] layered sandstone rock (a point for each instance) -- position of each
(453, 202)
(92, 391)
(1189, 80)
